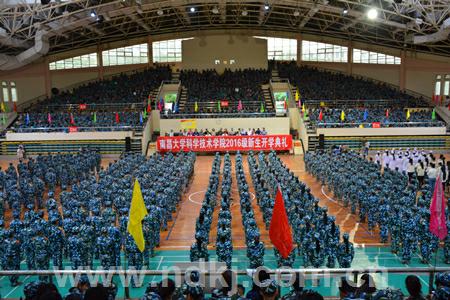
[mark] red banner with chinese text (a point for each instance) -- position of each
(83, 106)
(73, 129)
(224, 143)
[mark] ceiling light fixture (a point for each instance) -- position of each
(93, 14)
(244, 12)
(372, 14)
(296, 13)
(160, 12)
(215, 10)
(192, 9)
(345, 12)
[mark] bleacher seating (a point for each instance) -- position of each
(314, 84)
(84, 121)
(331, 118)
(123, 88)
(208, 88)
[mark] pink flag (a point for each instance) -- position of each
(49, 118)
(240, 106)
(437, 211)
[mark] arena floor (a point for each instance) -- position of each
(176, 241)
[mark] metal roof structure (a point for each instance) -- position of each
(28, 26)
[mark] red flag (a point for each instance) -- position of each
(280, 231)
(72, 121)
(149, 107)
(285, 104)
(117, 117)
(321, 115)
(387, 113)
(15, 107)
(437, 211)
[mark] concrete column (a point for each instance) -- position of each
(150, 50)
(402, 75)
(299, 49)
(350, 58)
(100, 70)
(47, 77)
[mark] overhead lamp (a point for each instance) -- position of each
(345, 12)
(372, 14)
(215, 10)
(296, 13)
(160, 12)
(93, 14)
(266, 6)
(244, 12)
(192, 9)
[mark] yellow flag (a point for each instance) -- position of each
(3, 108)
(303, 108)
(408, 114)
(137, 214)
(342, 116)
(196, 106)
(297, 95)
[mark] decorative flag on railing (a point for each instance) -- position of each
(342, 116)
(366, 115)
(408, 114)
(303, 108)
(49, 118)
(175, 107)
(438, 227)
(149, 107)
(219, 108)
(297, 98)
(321, 115)
(117, 118)
(141, 118)
(196, 106)
(240, 107)
(280, 232)
(2, 107)
(387, 113)
(94, 118)
(27, 119)
(305, 115)
(14, 106)
(285, 104)
(72, 121)
(433, 114)
(262, 109)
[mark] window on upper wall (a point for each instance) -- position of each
(167, 51)
(369, 57)
(437, 85)
(315, 51)
(137, 54)
(280, 48)
(447, 85)
(77, 62)
(12, 85)
(5, 91)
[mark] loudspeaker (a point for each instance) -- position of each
(127, 144)
(321, 141)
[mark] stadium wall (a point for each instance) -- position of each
(202, 52)
(420, 69)
(381, 131)
(278, 125)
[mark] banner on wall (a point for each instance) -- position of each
(224, 143)
(224, 103)
(188, 124)
(73, 129)
(376, 125)
(83, 106)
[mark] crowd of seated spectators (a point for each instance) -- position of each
(220, 132)
(208, 87)
(267, 289)
(331, 118)
(316, 84)
(123, 88)
(84, 121)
